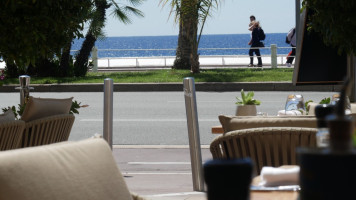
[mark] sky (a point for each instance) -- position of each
(232, 17)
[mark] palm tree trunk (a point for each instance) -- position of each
(64, 63)
(184, 49)
(82, 59)
(12, 70)
(193, 21)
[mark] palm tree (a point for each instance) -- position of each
(65, 59)
(121, 12)
(189, 13)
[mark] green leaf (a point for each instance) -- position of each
(325, 101)
(247, 99)
(243, 96)
(306, 105)
(239, 101)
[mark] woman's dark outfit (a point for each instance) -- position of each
(292, 55)
(255, 43)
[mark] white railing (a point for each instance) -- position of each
(274, 59)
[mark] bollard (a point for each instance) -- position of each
(274, 55)
(24, 88)
(193, 133)
(94, 57)
(351, 61)
(108, 110)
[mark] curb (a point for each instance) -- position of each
(163, 87)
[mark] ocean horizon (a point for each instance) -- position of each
(151, 46)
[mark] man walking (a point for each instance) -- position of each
(255, 43)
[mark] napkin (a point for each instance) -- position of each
(277, 176)
(289, 112)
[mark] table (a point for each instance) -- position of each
(274, 195)
(217, 130)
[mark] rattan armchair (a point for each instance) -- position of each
(10, 134)
(272, 146)
(47, 130)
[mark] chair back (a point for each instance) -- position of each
(47, 130)
(83, 170)
(271, 146)
(10, 134)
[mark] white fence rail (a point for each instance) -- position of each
(274, 59)
(167, 61)
(106, 63)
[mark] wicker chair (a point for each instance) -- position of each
(272, 146)
(47, 130)
(10, 134)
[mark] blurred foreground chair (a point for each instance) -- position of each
(47, 121)
(11, 134)
(47, 130)
(232, 123)
(84, 170)
(272, 146)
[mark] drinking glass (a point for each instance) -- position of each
(294, 102)
(262, 114)
(336, 97)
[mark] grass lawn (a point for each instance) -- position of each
(170, 75)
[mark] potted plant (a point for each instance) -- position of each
(246, 106)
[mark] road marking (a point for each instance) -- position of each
(203, 101)
(149, 120)
(158, 163)
(157, 173)
(175, 194)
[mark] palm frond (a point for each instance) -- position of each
(134, 11)
(175, 8)
(121, 15)
(123, 12)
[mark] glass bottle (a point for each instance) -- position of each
(323, 135)
(336, 97)
(294, 102)
(341, 125)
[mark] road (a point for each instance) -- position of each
(158, 118)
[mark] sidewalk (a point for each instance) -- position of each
(159, 172)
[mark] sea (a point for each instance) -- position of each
(151, 46)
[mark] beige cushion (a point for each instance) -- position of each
(37, 108)
(353, 107)
(312, 106)
(231, 123)
(84, 170)
(7, 116)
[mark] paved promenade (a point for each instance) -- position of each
(159, 172)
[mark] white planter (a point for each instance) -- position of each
(246, 110)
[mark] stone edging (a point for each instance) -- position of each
(148, 87)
